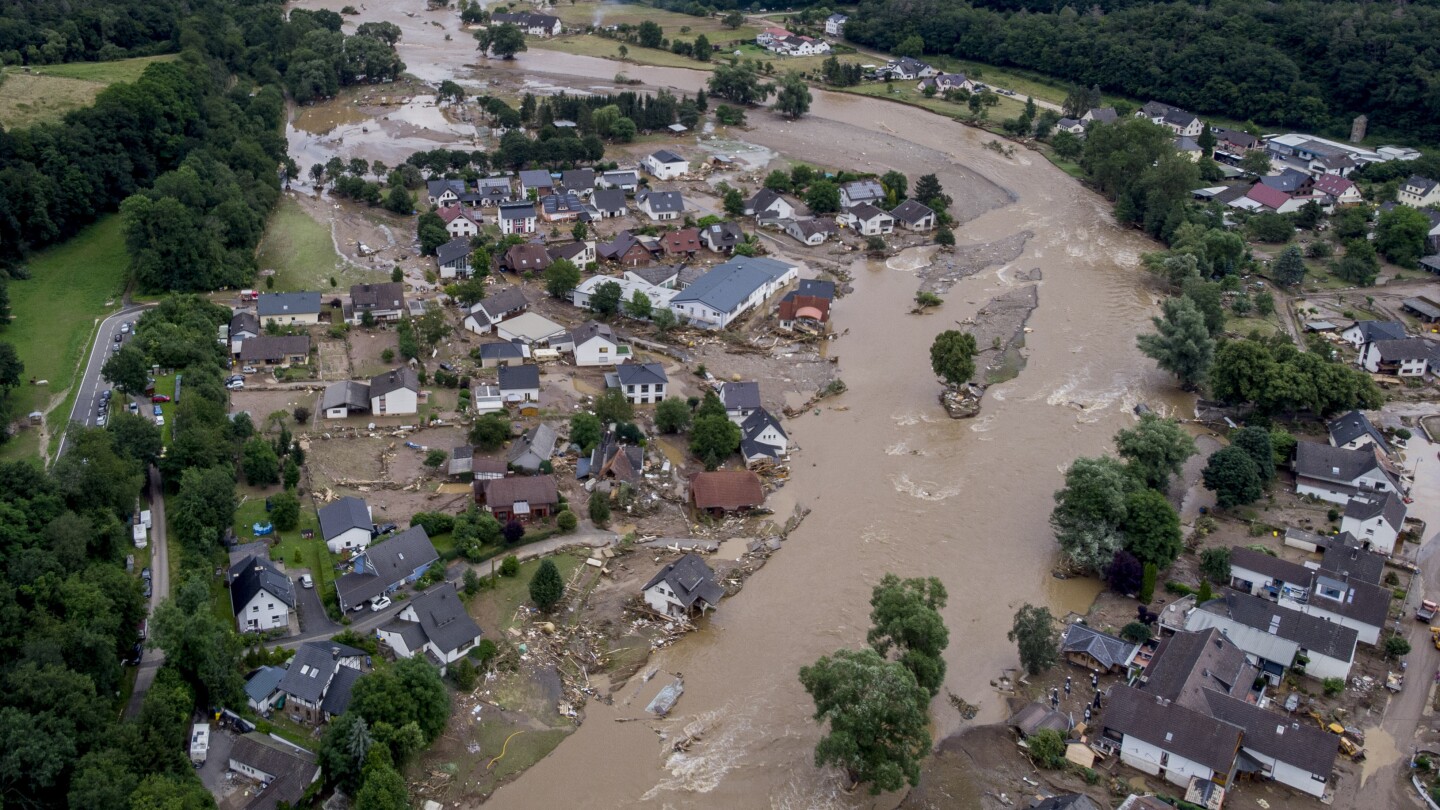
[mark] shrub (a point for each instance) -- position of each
(1047, 748)
(301, 414)
(485, 651)
(599, 508)
(464, 674)
(514, 530)
(434, 522)
(1334, 686)
(510, 566)
(1135, 632)
(1147, 584)
(567, 521)
(387, 356)
(473, 583)
(1396, 646)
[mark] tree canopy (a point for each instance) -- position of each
(952, 356)
(1155, 449)
(905, 620)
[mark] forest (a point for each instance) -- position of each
(44, 32)
(1306, 64)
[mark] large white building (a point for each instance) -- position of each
(660, 297)
(730, 290)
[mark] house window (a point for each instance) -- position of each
(254, 608)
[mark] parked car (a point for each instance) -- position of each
(159, 398)
(379, 530)
(100, 420)
(136, 653)
(235, 378)
(159, 421)
(145, 592)
(306, 581)
(155, 409)
(235, 386)
(119, 337)
(379, 603)
(145, 573)
(249, 369)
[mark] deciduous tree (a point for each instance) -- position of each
(713, 439)
(1231, 474)
(952, 356)
(671, 416)
(1182, 344)
(905, 620)
(1289, 267)
(1089, 511)
(561, 278)
(1034, 634)
(793, 97)
(1152, 528)
(490, 432)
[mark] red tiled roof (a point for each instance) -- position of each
(1333, 184)
(726, 489)
(1268, 196)
(683, 241)
(450, 212)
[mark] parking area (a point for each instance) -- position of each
(217, 762)
(312, 612)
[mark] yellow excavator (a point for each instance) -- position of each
(1351, 748)
(1435, 636)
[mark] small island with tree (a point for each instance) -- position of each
(952, 357)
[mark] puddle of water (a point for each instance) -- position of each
(674, 451)
(1074, 595)
(584, 387)
(731, 549)
(1380, 753)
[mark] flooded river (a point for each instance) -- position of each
(894, 485)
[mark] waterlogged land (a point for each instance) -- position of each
(893, 483)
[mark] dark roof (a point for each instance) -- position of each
(625, 177)
(337, 699)
(501, 351)
(1379, 330)
(536, 178)
(911, 212)
(1351, 426)
(1103, 115)
(523, 210)
(722, 234)
(608, 199)
(623, 461)
(816, 288)
(255, 574)
(866, 189)
(590, 329)
(274, 347)
(292, 767)
(527, 257)
(1069, 801)
(346, 393)
(290, 303)
(1402, 349)
(757, 421)
(567, 251)
(262, 682)
(454, 250)
(1334, 464)
(534, 489)
(1310, 632)
(663, 201)
(390, 295)
(1188, 663)
(538, 441)
(1274, 735)
(866, 211)
(1172, 727)
(620, 245)
(394, 380)
(763, 199)
(519, 378)
(504, 302)
(641, 374)
(578, 179)
(656, 274)
(442, 617)
(1289, 181)
(726, 489)
(312, 668)
(437, 187)
(740, 395)
(809, 227)
(244, 322)
(1273, 567)
(1362, 601)
(725, 286)
(1106, 649)
(1385, 505)
(691, 580)
(666, 156)
(1036, 717)
(391, 561)
(562, 203)
(343, 515)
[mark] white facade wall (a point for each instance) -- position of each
(462, 226)
(1415, 367)
(876, 226)
(1287, 774)
(662, 600)
(1146, 758)
(356, 538)
(645, 393)
(665, 171)
(773, 437)
(1376, 531)
(399, 402)
(291, 318)
(1318, 489)
(597, 351)
(263, 612)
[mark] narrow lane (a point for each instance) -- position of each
(159, 592)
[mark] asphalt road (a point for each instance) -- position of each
(90, 384)
(159, 591)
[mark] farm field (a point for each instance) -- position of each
(47, 92)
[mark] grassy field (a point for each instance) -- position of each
(300, 250)
(56, 312)
(511, 592)
(906, 93)
(47, 92)
(582, 14)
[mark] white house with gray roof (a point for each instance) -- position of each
(433, 624)
(316, 685)
(914, 216)
(261, 595)
(517, 217)
(665, 164)
(683, 587)
(1361, 333)
(1273, 637)
(861, 191)
(1336, 475)
(661, 205)
(1418, 192)
(288, 308)
(731, 289)
(395, 393)
(345, 524)
(453, 258)
(1375, 520)
(762, 438)
(385, 566)
(1355, 431)
(641, 383)
(740, 399)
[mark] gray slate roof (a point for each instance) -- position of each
(1310, 632)
(757, 422)
(525, 210)
(343, 515)
(294, 768)
(536, 178)
(865, 212)
(501, 351)
(1172, 727)
(519, 378)
(337, 699)
(538, 442)
(663, 201)
(1348, 427)
(292, 303)
(641, 374)
(816, 288)
(454, 250)
(656, 274)
(275, 347)
(1272, 567)
(691, 580)
(1386, 505)
(722, 235)
(394, 380)
(244, 322)
(1379, 330)
(1334, 464)
(389, 295)
(667, 156)
(394, 558)
(504, 302)
(1405, 349)
(262, 682)
(911, 211)
(1069, 801)
(726, 285)
(442, 617)
(578, 179)
(608, 199)
(1188, 663)
(533, 489)
(763, 199)
(255, 574)
(740, 395)
(1275, 735)
(1106, 649)
(346, 393)
(585, 331)
(312, 668)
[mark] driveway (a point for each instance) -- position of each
(313, 618)
(159, 592)
(217, 762)
(90, 384)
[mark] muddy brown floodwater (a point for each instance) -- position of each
(894, 484)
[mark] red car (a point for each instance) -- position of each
(159, 398)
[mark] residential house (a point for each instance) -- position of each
(1175, 119)
(1340, 190)
(529, 328)
(1234, 143)
(283, 770)
(641, 383)
(1099, 115)
(486, 399)
(496, 355)
(666, 276)
(807, 306)
(453, 258)
(1375, 520)
(533, 449)
(1276, 638)
(769, 35)
(913, 216)
(945, 82)
(1287, 751)
(384, 302)
(315, 672)
(1410, 357)
(1347, 556)
(740, 399)
(345, 398)
(608, 203)
(1290, 181)
(1317, 155)
(665, 165)
(684, 242)
(261, 595)
(494, 308)
(276, 350)
(523, 258)
(1355, 431)
(1337, 596)
(261, 689)
(835, 25)
(519, 384)
(385, 566)
(660, 297)
(433, 624)
(1272, 199)
(612, 461)
(538, 181)
(243, 326)
(731, 289)
(1074, 126)
(769, 205)
(458, 222)
(1168, 740)
(491, 191)
(1187, 147)
(907, 69)
(594, 344)
(1336, 475)
(683, 587)
(811, 231)
(346, 524)
(580, 254)
(861, 191)
(628, 250)
(286, 309)
(626, 181)
(661, 205)
(395, 393)
(442, 193)
(795, 45)
(724, 491)
(1099, 652)
(1261, 574)
(517, 218)
(868, 220)
(536, 25)
(762, 439)
(564, 206)
(580, 181)
(1362, 333)
(522, 498)
(722, 237)
(1036, 717)
(1418, 192)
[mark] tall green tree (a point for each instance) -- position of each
(792, 100)
(1232, 475)
(199, 644)
(713, 439)
(1255, 441)
(1401, 234)
(671, 416)
(561, 278)
(1182, 344)
(546, 586)
(1152, 528)
(1090, 511)
(1289, 267)
(905, 620)
(606, 299)
(1034, 633)
(1155, 449)
(876, 711)
(952, 356)
(586, 429)
(127, 369)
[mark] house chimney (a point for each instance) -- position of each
(334, 653)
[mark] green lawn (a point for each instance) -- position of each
(511, 592)
(587, 45)
(301, 251)
(46, 92)
(56, 312)
(583, 14)
(906, 93)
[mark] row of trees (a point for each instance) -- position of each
(1351, 57)
(40, 33)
